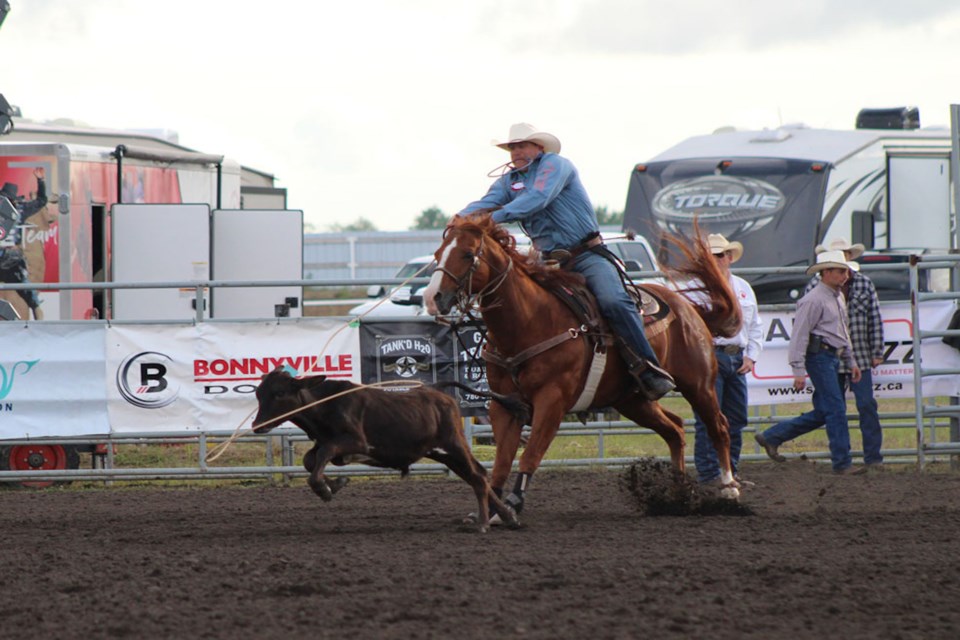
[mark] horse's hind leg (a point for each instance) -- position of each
(704, 402)
(667, 425)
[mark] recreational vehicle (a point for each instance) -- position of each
(782, 192)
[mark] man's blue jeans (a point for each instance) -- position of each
(731, 390)
(616, 305)
(829, 408)
(870, 429)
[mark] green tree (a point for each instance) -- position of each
(360, 224)
(431, 218)
(604, 217)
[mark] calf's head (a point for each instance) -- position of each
(278, 394)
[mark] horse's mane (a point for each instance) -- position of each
(723, 314)
(529, 263)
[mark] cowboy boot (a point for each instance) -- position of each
(654, 382)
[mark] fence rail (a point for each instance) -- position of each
(926, 420)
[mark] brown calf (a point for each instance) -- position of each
(379, 428)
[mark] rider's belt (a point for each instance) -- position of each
(817, 346)
(565, 255)
(729, 349)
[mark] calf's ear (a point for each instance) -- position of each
(314, 381)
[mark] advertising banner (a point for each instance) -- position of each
(204, 376)
(425, 352)
(52, 380)
(772, 379)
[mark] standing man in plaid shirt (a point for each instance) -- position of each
(866, 335)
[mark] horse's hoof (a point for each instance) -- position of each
(514, 502)
(730, 492)
(471, 518)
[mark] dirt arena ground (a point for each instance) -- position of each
(811, 556)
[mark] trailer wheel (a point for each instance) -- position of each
(30, 457)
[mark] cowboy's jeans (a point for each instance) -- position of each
(870, 429)
(829, 408)
(731, 388)
(616, 305)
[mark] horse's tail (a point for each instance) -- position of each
(719, 308)
(512, 403)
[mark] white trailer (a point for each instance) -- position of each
(781, 192)
(126, 213)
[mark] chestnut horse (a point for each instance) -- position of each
(537, 347)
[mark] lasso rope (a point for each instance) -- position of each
(219, 450)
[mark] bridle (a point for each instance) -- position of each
(466, 298)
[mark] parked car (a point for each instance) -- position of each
(406, 301)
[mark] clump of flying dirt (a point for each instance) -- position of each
(658, 490)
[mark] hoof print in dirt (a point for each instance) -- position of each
(659, 490)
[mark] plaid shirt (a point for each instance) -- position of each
(866, 326)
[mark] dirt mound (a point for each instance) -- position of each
(658, 490)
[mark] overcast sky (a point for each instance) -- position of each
(382, 108)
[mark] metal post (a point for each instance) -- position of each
(118, 154)
(917, 373)
(202, 451)
(955, 245)
(198, 302)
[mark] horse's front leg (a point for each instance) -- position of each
(507, 430)
(548, 410)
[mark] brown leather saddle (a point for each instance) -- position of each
(582, 303)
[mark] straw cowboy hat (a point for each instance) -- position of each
(842, 244)
(831, 260)
(719, 244)
(524, 132)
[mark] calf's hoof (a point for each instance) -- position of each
(322, 490)
(337, 483)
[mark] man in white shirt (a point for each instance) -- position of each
(736, 357)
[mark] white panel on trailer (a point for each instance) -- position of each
(257, 244)
(919, 205)
(159, 243)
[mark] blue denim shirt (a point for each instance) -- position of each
(547, 199)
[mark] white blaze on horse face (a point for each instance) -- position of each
(431, 291)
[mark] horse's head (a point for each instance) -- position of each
(464, 263)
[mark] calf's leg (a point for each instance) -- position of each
(462, 463)
(334, 485)
(322, 454)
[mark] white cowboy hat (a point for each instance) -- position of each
(719, 244)
(842, 244)
(524, 132)
(831, 260)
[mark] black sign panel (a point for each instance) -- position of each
(427, 353)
